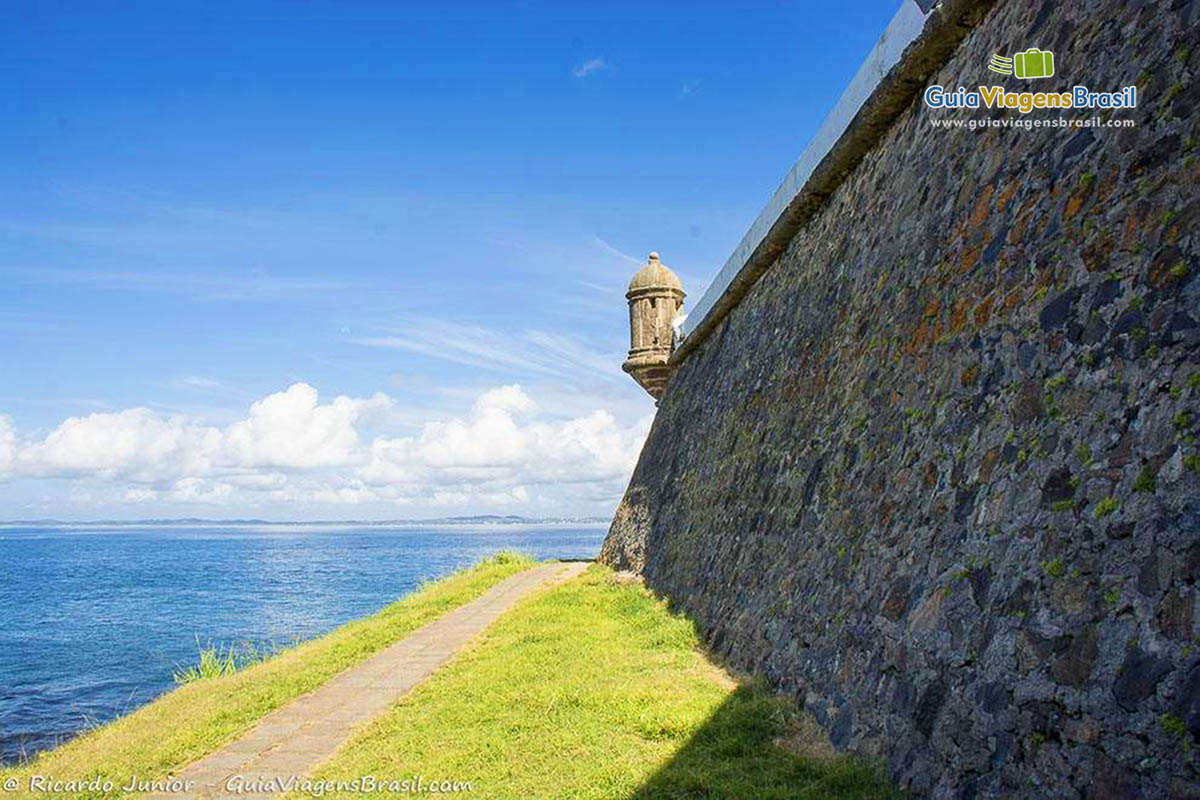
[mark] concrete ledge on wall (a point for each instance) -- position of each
(914, 45)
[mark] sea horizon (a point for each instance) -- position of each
(478, 519)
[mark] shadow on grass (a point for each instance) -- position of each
(735, 755)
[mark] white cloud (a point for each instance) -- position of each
(507, 450)
(352, 494)
(505, 398)
(199, 490)
(515, 497)
(590, 67)
(285, 430)
(290, 429)
(8, 444)
(136, 443)
(494, 449)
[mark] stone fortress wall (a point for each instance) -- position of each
(935, 472)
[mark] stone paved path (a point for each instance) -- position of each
(294, 739)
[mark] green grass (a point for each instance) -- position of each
(198, 717)
(215, 661)
(595, 690)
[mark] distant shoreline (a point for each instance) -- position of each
(390, 523)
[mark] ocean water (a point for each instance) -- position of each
(93, 621)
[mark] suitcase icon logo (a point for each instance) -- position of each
(1033, 63)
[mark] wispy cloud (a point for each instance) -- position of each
(32, 322)
(198, 382)
(203, 386)
(621, 254)
(599, 287)
(591, 67)
(692, 282)
(194, 283)
(514, 353)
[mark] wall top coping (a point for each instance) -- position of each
(917, 41)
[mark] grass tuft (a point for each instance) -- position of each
(505, 558)
(214, 662)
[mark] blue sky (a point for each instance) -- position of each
(331, 260)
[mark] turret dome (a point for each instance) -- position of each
(654, 275)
